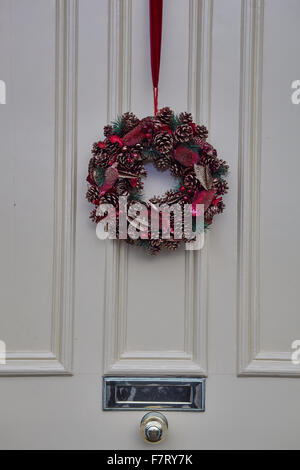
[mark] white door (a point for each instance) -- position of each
(73, 308)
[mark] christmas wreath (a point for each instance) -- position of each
(171, 142)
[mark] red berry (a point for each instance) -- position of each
(182, 189)
(148, 136)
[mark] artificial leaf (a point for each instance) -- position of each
(186, 156)
(203, 175)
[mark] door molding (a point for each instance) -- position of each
(252, 360)
(59, 360)
(193, 360)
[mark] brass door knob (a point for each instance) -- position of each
(154, 427)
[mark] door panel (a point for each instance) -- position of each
(226, 312)
(38, 186)
(269, 264)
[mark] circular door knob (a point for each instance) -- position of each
(154, 427)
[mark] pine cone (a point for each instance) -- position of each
(185, 118)
(212, 162)
(191, 181)
(94, 217)
(176, 170)
(139, 185)
(92, 165)
(221, 187)
(198, 141)
(202, 132)
(108, 130)
(138, 148)
(214, 210)
(154, 251)
(210, 213)
(221, 207)
(171, 244)
(110, 198)
(163, 163)
(155, 246)
(156, 125)
(156, 200)
(96, 150)
(165, 115)
(125, 161)
(183, 133)
(122, 188)
(131, 121)
(103, 159)
(112, 147)
(163, 143)
(93, 194)
(224, 164)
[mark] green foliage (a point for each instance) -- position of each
(141, 242)
(222, 171)
(100, 176)
(136, 195)
(151, 153)
(175, 122)
(191, 146)
(206, 226)
(118, 126)
(178, 185)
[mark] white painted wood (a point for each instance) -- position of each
(174, 315)
(252, 359)
(58, 360)
(126, 318)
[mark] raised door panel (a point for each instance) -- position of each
(269, 166)
(37, 189)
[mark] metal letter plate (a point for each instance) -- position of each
(150, 393)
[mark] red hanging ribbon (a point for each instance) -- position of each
(156, 9)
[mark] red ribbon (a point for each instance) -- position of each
(156, 9)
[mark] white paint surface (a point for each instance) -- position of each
(124, 312)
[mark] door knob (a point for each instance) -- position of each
(154, 427)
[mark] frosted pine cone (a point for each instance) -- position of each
(93, 194)
(202, 132)
(165, 115)
(163, 163)
(176, 170)
(212, 162)
(224, 164)
(110, 198)
(96, 150)
(155, 246)
(171, 245)
(163, 143)
(92, 165)
(103, 159)
(139, 185)
(125, 161)
(122, 188)
(108, 130)
(191, 181)
(185, 118)
(221, 187)
(112, 147)
(94, 217)
(183, 133)
(131, 121)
